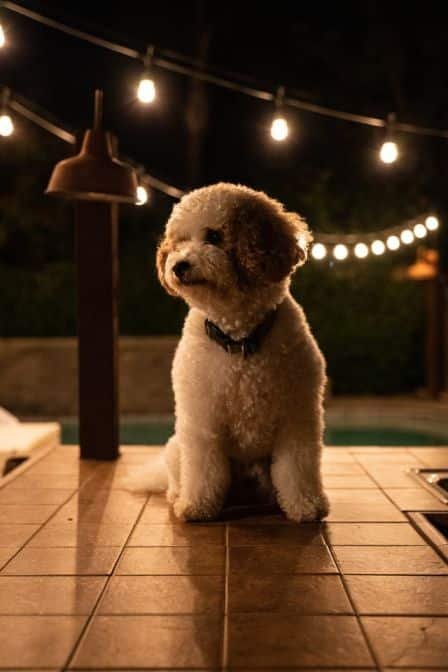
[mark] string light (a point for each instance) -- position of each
(146, 90)
(432, 223)
(279, 126)
(420, 231)
(318, 251)
(393, 242)
(378, 247)
(2, 37)
(142, 195)
(407, 237)
(361, 250)
(389, 149)
(6, 126)
(340, 252)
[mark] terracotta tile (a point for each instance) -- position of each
(317, 594)
(287, 559)
(6, 554)
(151, 642)
(34, 496)
(373, 534)
(364, 512)
(84, 560)
(164, 595)
(337, 456)
(284, 640)
(418, 595)
(105, 511)
(348, 481)
(395, 477)
(48, 595)
(26, 513)
(81, 469)
(74, 533)
(38, 641)
(205, 560)
(260, 535)
(157, 510)
(415, 499)
(406, 641)
(45, 481)
(15, 535)
(432, 457)
(177, 535)
(397, 457)
(341, 469)
(278, 519)
(389, 560)
(354, 496)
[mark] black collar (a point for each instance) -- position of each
(245, 346)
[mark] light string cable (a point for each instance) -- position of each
(179, 63)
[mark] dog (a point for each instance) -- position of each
(248, 376)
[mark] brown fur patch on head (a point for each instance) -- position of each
(267, 242)
(163, 250)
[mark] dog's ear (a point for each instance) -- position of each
(268, 243)
(161, 256)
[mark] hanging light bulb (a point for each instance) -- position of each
(432, 223)
(2, 37)
(389, 149)
(361, 250)
(279, 126)
(318, 251)
(393, 243)
(407, 237)
(146, 90)
(6, 126)
(340, 252)
(420, 231)
(378, 247)
(141, 196)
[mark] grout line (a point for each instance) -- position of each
(225, 634)
(102, 592)
(352, 604)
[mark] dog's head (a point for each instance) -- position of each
(228, 240)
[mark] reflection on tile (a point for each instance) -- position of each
(356, 496)
(400, 594)
(74, 533)
(25, 513)
(151, 642)
(408, 641)
(158, 511)
(49, 594)
(348, 481)
(317, 594)
(34, 496)
(432, 457)
(373, 534)
(206, 560)
(415, 499)
(15, 535)
(391, 478)
(164, 595)
(84, 560)
(389, 560)
(341, 469)
(38, 641)
(312, 559)
(177, 535)
(253, 535)
(364, 513)
(284, 640)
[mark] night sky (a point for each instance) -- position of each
(370, 57)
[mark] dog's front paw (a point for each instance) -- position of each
(193, 511)
(315, 507)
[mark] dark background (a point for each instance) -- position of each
(372, 58)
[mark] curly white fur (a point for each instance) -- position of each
(268, 405)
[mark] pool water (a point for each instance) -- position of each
(158, 431)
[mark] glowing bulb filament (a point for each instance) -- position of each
(146, 92)
(389, 152)
(6, 125)
(279, 129)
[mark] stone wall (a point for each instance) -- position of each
(38, 376)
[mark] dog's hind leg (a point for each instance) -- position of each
(172, 458)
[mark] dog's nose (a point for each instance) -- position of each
(181, 268)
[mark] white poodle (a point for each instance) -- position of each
(248, 375)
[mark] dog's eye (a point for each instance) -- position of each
(213, 237)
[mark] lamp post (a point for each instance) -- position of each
(97, 182)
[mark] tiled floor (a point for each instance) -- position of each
(95, 578)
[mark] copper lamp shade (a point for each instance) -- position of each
(94, 174)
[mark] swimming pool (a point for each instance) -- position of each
(157, 431)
